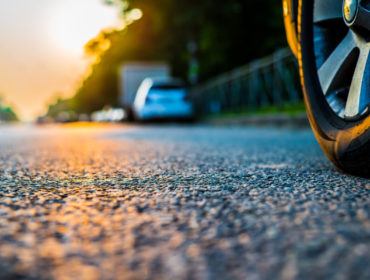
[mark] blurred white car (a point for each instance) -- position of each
(108, 115)
(162, 98)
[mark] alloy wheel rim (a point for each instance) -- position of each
(341, 43)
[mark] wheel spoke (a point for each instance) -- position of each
(326, 10)
(359, 92)
(333, 69)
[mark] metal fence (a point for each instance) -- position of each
(270, 81)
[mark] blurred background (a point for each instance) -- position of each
(85, 60)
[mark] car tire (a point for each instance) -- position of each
(346, 142)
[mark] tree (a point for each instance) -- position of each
(227, 33)
(7, 114)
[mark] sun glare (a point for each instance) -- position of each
(135, 14)
(74, 23)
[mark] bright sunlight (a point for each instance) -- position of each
(42, 48)
(74, 23)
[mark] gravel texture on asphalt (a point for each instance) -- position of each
(177, 202)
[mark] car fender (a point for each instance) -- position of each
(290, 23)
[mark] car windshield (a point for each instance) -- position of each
(164, 93)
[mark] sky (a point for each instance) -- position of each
(41, 49)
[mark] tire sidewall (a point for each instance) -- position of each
(341, 140)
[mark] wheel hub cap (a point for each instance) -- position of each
(350, 9)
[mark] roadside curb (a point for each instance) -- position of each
(276, 120)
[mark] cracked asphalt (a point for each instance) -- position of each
(177, 202)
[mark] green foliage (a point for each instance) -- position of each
(286, 109)
(61, 105)
(227, 33)
(8, 115)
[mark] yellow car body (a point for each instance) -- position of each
(290, 22)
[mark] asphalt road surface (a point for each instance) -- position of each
(177, 202)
